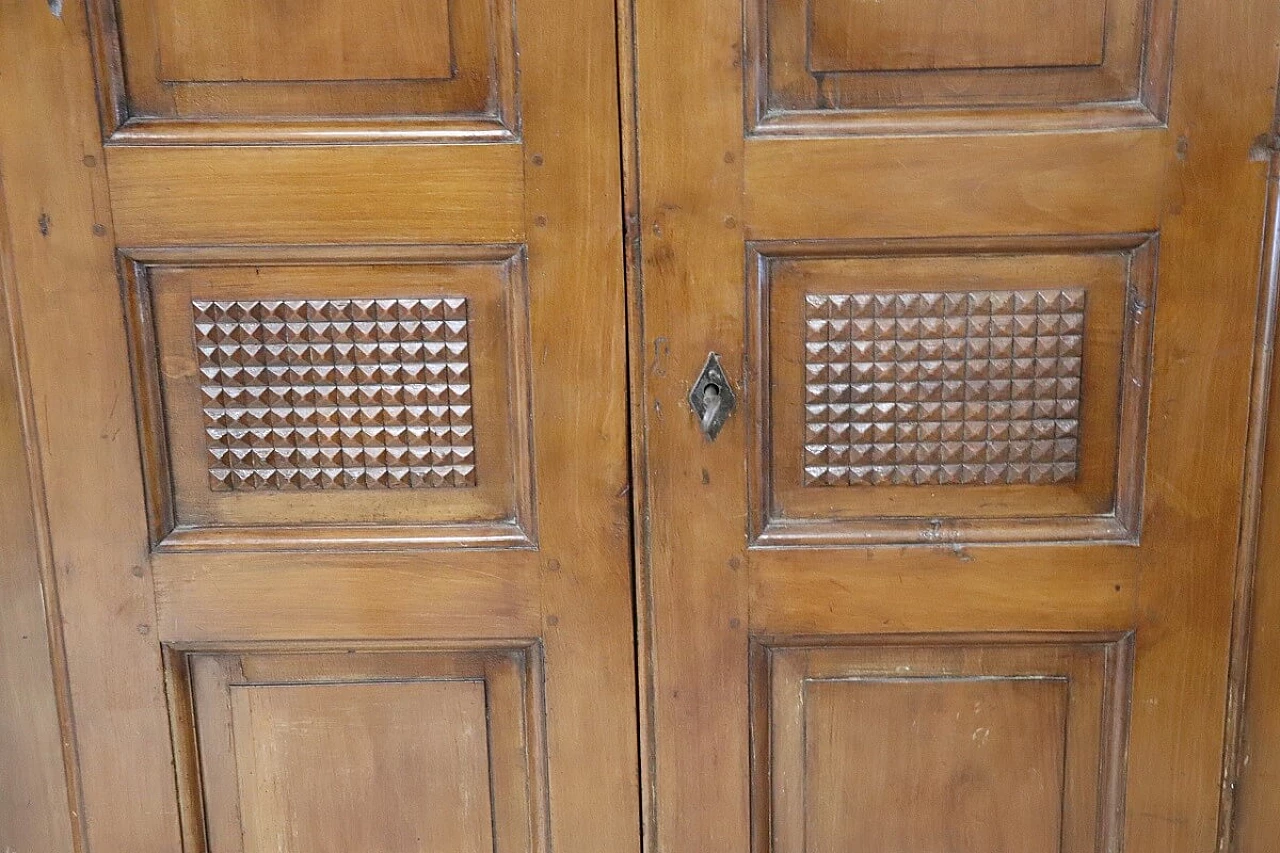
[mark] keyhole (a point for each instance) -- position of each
(711, 397)
(710, 406)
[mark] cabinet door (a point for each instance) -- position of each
(333, 466)
(957, 573)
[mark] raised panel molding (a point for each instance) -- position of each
(312, 747)
(965, 743)
(916, 391)
(351, 397)
(234, 71)
(822, 67)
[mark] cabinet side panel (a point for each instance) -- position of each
(77, 389)
(1255, 771)
(34, 811)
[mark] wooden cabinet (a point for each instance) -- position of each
(358, 501)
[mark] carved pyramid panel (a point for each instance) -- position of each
(980, 387)
(336, 393)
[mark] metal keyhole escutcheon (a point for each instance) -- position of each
(711, 398)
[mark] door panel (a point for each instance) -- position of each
(336, 493)
(215, 69)
(329, 419)
(989, 743)
(957, 573)
(288, 741)
(862, 67)
(909, 383)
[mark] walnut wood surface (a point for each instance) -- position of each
(237, 238)
(1251, 805)
(496, 189)
(36, 812)
(741, 144)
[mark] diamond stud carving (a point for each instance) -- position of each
(979, 387)
(336, 393)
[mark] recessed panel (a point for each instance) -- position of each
(336, 393)
(898, 764)
(956, 743)
(297, 397)
(302, 751)
(941, 388)
(297, 40)
(244, 70)
(309, 755)
(861, 66)
(949, 391)
(915, 35)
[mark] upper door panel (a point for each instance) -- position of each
(857, 66)
(208, 68)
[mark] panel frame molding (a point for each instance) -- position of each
(169, 535)
(769, 529)
(520, 662)
(1148, 107)
(786, 657)
(501, 122)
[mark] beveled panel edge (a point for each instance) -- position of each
(527, 656)
(1117, 652)
(167, 536)
(108, 63)
(1120, 639)
(502, 535)
(215, 131)
(144, 358)
(120, 128)
(1121, 526)
(933, 531)
(950, 120)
